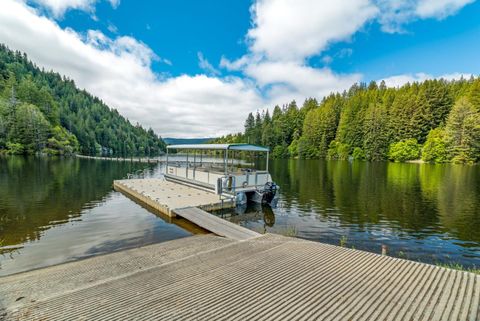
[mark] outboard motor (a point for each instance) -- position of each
(270, 190)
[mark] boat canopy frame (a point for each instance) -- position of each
(225, 147)
(238, 146)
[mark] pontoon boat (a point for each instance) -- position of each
(228, 176)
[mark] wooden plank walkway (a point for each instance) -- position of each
(269, 277)
(215, 224)
(166, 196)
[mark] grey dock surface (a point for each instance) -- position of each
(269, 277)
(166, 196)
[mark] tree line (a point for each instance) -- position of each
(43, 112)
(435, 120)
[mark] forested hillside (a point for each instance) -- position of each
(436, 120)
(43, 112)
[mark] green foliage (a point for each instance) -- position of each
(358, 154)
(15, 148)
(338, 150)
(463, 132)
(46, 113)
(343, 241)
(61, 143)
(293, 148)
(435, 149)
(375, 123)
(290, 231)
(404, 150)
(375, 132)
(319, 128)
(30, 128)
(280, 151)
(459, 267)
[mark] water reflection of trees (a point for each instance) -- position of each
(418, 198)
(37, 193)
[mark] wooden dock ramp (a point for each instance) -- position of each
(269, 277)
(215, 224)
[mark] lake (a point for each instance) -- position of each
(58, 210)
(423, 212)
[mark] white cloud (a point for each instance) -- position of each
(295, 29)
(439, 8)
(239, 63)
(118, 71)
(400, 80)
(112, 28)
(289, 80)
(395, 14)
(284, 34)
(206, 66)
(58, 7)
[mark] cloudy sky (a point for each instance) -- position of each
(196, 68)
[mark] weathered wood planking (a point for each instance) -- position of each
(215, 224)
(264, 278)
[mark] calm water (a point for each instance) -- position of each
(57, 210)
(423, 212)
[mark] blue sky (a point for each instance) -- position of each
(196, 68)
(213, 27)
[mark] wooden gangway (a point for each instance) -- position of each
(269, 277)
(215, 224)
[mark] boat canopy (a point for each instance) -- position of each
(226, 147)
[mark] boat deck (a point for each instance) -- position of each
(269, 277)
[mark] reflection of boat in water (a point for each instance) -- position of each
(252, 212)
(227, 179)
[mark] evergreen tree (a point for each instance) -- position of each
(439, 100)
(368, 122)
(319, 130)
(474, 94)
(250, 128)
(61, 114)
(375, 132)
(435, 149)
(463, 132)
(257, 138)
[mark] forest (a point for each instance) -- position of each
(42, 112)
(434, 121)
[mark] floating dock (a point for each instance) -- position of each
(174, 199)
(269, 277)
(167, 197)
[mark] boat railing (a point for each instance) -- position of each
(246, 180)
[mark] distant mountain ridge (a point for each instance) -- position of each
(183, 141)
